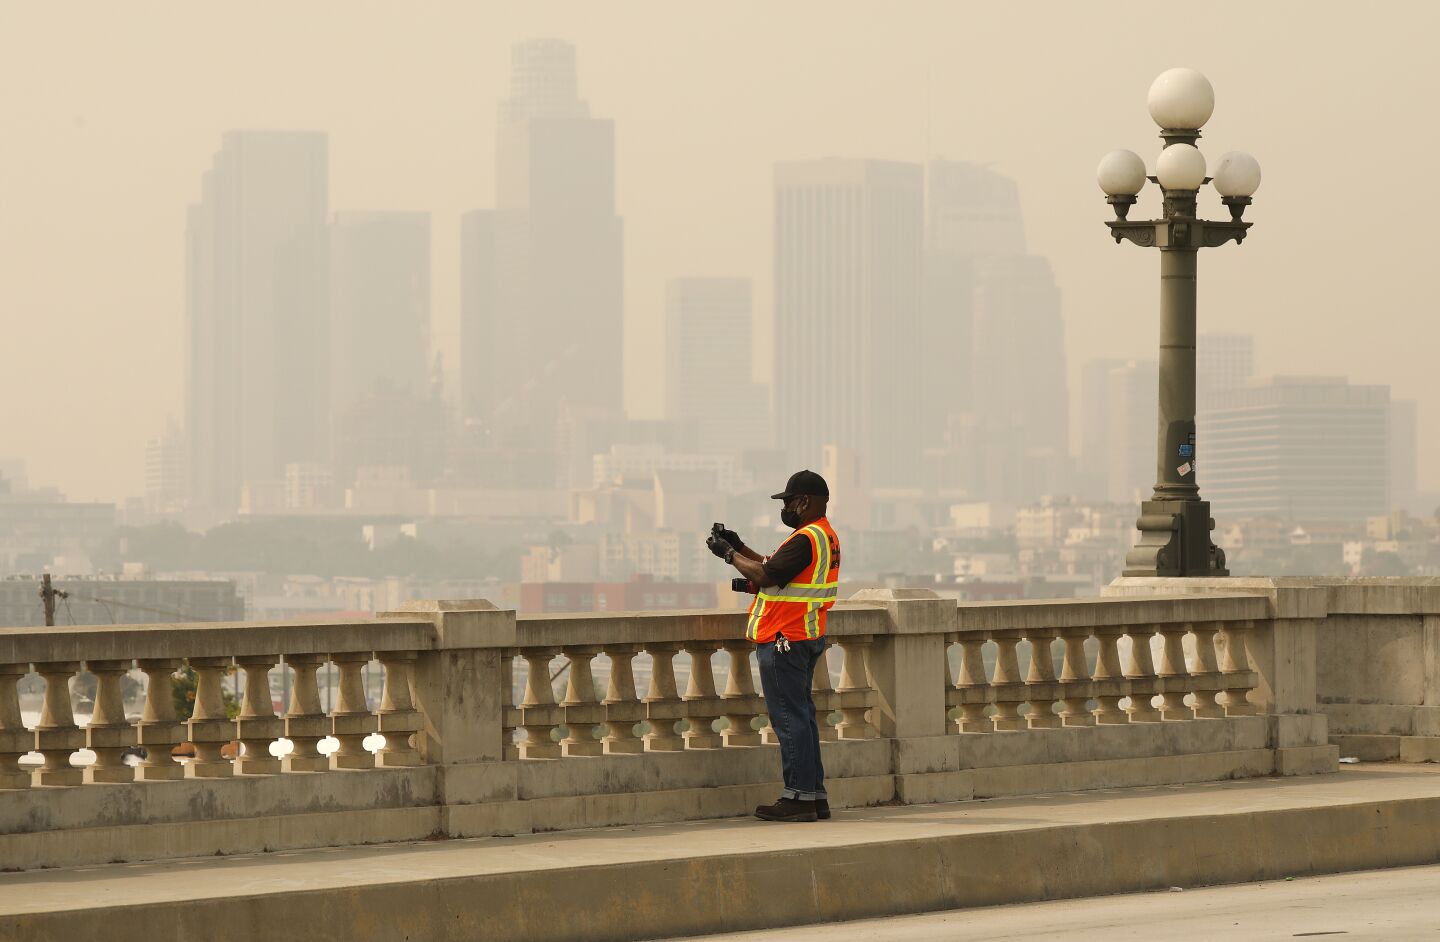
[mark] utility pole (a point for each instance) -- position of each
(48, 595)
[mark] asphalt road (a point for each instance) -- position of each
(1375, 904)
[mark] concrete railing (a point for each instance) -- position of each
(1375, 645)
(484, 723)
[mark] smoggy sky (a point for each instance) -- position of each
(110, 112)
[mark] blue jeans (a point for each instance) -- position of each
(785, 677)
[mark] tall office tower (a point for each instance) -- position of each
(1297, 448)
(1118, 416)
(1021, 398)
(1222, 362)
(379, 304)
(1404, 453)
(1093, 445)
(708, 343)
(971, 213)
(849, 241)
(541, 274)
(1134, 416)
(257, 379)
(166, 480)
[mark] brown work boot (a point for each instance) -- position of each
(787, 809)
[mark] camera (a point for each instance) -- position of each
(742, 584)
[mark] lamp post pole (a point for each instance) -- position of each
(1175, 523)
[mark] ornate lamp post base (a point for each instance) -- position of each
(1175, 541)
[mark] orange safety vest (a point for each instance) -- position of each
(798, 610)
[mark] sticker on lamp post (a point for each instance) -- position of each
(1187, 451)
(1185, 469)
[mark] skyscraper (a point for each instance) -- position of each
(1021, 397)
(1118, 415)
(708, 345)
(971, 213)
(849, 240)
(541, 293)
(1298, 448)
(1134, 410)
(992, 342)
(257, 378)
(379, 304)
(1222, 362)
(1093, 446)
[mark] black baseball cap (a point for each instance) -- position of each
(807, 483)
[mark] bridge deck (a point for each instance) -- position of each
(735, 874)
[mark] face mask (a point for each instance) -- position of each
(791, 518)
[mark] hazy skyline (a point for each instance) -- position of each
(110, 126)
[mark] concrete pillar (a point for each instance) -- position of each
(457, 685)
(907, 664)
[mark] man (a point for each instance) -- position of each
(797, 587)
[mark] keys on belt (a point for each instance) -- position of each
(782, 643)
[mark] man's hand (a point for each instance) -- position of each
(731, 537)
(721, 547)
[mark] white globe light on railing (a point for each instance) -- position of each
(1237, 174)
(1181, 99)
(1121, 173)
(1180, 167)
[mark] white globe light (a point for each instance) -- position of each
(1121, 173)
(1180, 167)
(1181, 99)
(1237, 174)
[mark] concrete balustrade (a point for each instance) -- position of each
(493, 724)
(1186, 688)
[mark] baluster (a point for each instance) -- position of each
(538, 712)
(974, 685)
(305, 720)
(822, 693)
(1140, 672)
(15, 739)
(1109, 681)
(663, 705)
(108, 734)
(702, 704)
(1235, 669)
(56, 735)
(351, 720)
(1173, 674)
(1041, 688)
(397, 719)
(582, 709)
(1009, 690)
(209, 728)
(739, 698)
(855, 689)
(1205, 681)
(623, 708)
(257, 726)
(158, 730)
(1075, 679)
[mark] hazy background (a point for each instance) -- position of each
(109, 113)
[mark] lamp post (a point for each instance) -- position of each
(1175, 523)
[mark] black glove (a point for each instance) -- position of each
(722, 548)
(731, 537)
